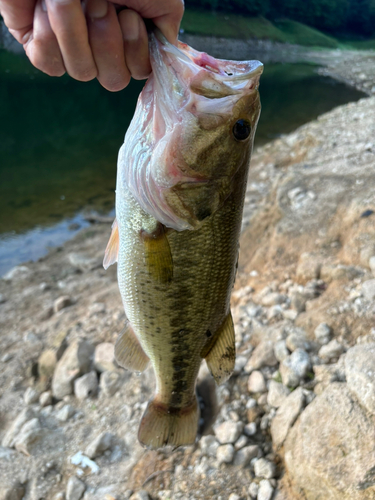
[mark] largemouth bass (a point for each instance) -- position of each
(181, 182)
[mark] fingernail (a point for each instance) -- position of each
(97, 9)
(44, 6)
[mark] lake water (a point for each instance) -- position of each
(59, 141)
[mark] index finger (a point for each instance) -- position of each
(18, 17)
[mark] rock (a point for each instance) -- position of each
(75, 488)
(372, 264)
(234, 496)
(228, 432)
(308, 267)
(15, 491)
(31, 396)
(331, 350)
(110, 382)
(265, 491)
(253, 490)
(209, 445)
(82, 262)
(294, 368)
(280, 350)
(225, 453)
(331, 272)
(273, 299)
(45, 399)
(75, 361)
(245, 454)
(45, 314)
(256, 382)
(297, 340)
(104, 357)
(6, 357)
(30, 433)
(61, 303)
(2, 299)
(368, 290)
(329, 452)
(323, 333)
(26, 415)
(46, 365)
(86, 386)
(264, 468)
(286, 415)
(65, 413)
(360, 374)
(250, 429)
(17, 273)
(140, 495)
(99, 445)
(298, 301)
(262, 355)
(277, 394)
(241, 442)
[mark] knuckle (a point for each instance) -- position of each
(114, 84)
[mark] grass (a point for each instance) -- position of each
(236, 26)
(362, 44)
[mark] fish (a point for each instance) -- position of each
(180, 189)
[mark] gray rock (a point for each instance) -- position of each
(253, 490)
(228, 432)
(297, 340)
(209, 445)
(245, 454)
(82, 262)
(61, 303)
(277, 394)
(332, 350)
(99, 445)
(65, 413)
(264, 468)
(265, 491)
(250, 429)
(241, 442)
(294, 368)
(6, 357)
(329, 452)
(75, 488)
(17, 273)
(9, 439)
(110, 382)
(256, 382)
(31, 396)
(273, 299)
(281, 351)
(86, 386)
(45, 399)
(234, 496)
(262, 355)
(360, 374)
(104, 357)
(225, 453)
(368, 290)
(286, 415)
(2, 298)
(298, 301)
(140, 495)
(75, 361)
(323, 333)
(30, 433)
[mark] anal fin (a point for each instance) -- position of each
(222, 355)
(128, 351)
(158, 254)
(111, 252)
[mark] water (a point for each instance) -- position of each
(59, 141)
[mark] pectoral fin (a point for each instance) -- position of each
(158, 255)
(128, 351)
(222, 355)
(111, 252)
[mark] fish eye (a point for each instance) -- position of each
(241, 129)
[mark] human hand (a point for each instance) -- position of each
(90, 40)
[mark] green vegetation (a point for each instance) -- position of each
(237, 26)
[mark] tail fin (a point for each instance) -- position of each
(162, 425)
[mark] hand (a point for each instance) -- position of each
(90, 40)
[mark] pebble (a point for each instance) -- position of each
(31, 396)
(360, 374)
(250, 429)
(323, 333)
(99, 445)
(66, 412)
(297, 340)
(45, 399)
(17, 273)
(104, 357)
(277, 394)
(228, 432)
(264, 468)
(61, 303)
(140, 495)
(2, 298)
(30, 433)
(308, 267)
(372, 264)
(241, 442)
(86, 386)
(234, 496)
(10, 436)
(110, 382)
(75, 488)
(265, 491)
(208, 445)
(286, 415)
(256, 382)
(368, 290)
(253, 490)
(273, 299)
(15, 491)
(225, 453)
(331, 350)
(81, 261)
(280, 350)
(262, 355)
(295, 367)
(245, 455)
(7, 357)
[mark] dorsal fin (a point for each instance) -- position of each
(111, 252)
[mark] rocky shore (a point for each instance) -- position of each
(297, 418)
